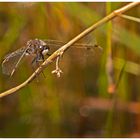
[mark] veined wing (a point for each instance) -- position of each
(81, 52)
(82, 48)
(56, 43)
(12, 60)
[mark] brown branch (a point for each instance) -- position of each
(66, 46)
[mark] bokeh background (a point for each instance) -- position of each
(83, 101)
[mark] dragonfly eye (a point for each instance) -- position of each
(45, 51)
(40, 47)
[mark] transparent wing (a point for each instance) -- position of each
(80, 52)
(11, 61)
(56, 44)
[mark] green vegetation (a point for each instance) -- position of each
(84, 101)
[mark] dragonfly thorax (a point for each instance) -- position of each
(37, 47)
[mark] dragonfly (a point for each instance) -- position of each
(38, 49)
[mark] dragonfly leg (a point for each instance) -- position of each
(36, 61)
(42, 57)
(33, 61)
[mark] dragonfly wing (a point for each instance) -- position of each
(53, 44)
(11, 60)
(80, 49)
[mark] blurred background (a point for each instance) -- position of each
(98, 93)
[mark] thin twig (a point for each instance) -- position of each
(130, 18)
(57, 70)
(66, 46)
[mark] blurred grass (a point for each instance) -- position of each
(57, 107)
(109, 72)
